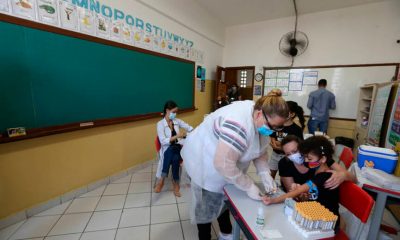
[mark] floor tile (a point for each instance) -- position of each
(184, 213)
(167, 186)
(74, 236)
(145, 170)
(95, 193)
(140, 187)
(104, 220)
(100, 235)
(126, 179)
(141, 177)
(8, 231)
(135, 217)
(115, 189)
(162, 198)
(111, 202)
(190, 231)
(164, 213)
(138, 200)
(57, 210)
(35, 227)
(80, 205)
(166, 231)
(140, 233)
(71, 223)
(186, 195)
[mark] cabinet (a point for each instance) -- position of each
(365, 105)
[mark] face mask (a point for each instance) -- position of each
(312, 165)
(264, 130)
(296, 158)
(172, 116)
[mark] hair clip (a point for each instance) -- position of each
(322, 150)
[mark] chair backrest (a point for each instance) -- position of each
(346, 157)
(157, 144)
(356, 200)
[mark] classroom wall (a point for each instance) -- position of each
(206, 31)
(37, 170)
(355, 35)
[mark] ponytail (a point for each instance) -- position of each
(294, 107)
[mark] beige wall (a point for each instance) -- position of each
(36, 170)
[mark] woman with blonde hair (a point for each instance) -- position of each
(219, 151)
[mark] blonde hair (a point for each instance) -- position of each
(273, 104)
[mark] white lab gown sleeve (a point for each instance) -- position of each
(184, 125)
(225, 162)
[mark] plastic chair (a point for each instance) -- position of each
(359, 204)
(158, 145)
(346, 157)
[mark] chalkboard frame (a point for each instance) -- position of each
(40, 132)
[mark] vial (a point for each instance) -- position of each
(260, 217)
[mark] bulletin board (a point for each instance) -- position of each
(344, 81)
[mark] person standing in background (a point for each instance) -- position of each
(320, 102)
(233, 93)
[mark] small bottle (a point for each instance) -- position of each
(260, 217)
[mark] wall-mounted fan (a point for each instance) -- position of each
(293, 43)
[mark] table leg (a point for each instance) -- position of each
(236, 231)
(377, 216)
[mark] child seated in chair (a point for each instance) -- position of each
(317, 152)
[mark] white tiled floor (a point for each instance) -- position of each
(125, 209)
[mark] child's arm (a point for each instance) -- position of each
(301, 189)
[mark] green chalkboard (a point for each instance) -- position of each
(50, 79)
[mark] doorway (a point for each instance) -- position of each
(240, 76)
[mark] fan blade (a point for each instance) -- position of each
(288, 38)
(286, 52)
(302, 43)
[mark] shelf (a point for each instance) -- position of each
(368, 86)
(364, 112)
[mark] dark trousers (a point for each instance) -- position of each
(313, 126)
(172, 156)
(224, 225)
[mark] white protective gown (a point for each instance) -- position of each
(231, 129)
(164, 135)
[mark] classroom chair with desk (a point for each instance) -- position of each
(360, 204)
(346, 157)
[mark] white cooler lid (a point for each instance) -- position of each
(372, 149)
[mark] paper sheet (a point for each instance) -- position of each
(270, 233)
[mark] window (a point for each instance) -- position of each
(243, 78)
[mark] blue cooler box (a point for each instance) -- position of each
(382, 158)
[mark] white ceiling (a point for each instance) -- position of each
(236, 12)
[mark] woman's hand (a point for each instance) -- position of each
(268, 200)
(181, 134)
(335, 180)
